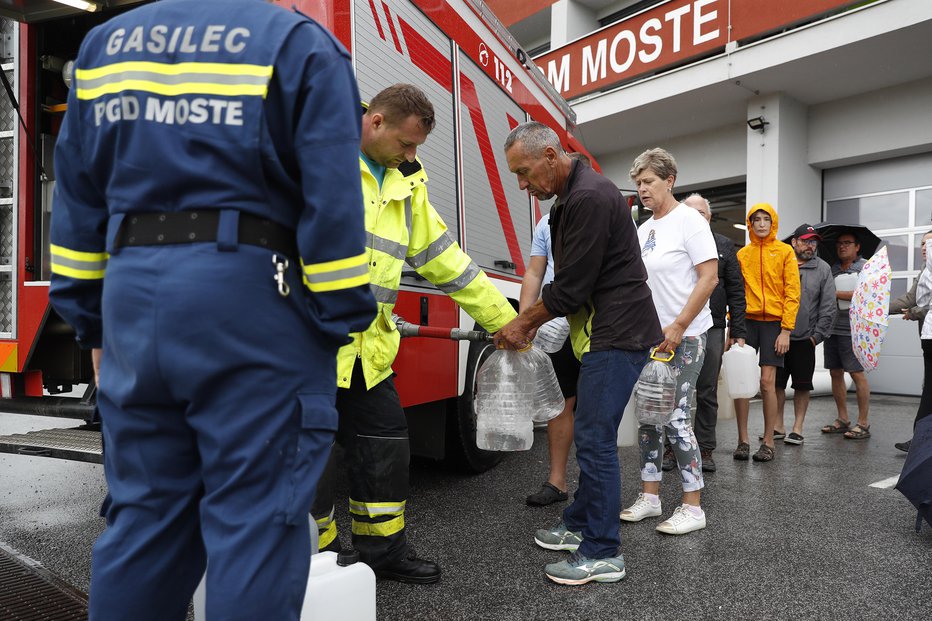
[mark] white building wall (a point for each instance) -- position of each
(805, 82)
(778, 170)
(880, 124)
(711, 158)
(569, 21)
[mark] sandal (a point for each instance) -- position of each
(764, 453)
(858, 432)
(837, 426)
(547, 495)
(743, 452)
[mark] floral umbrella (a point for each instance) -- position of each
(870, 304)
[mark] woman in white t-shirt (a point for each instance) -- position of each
(681, 258)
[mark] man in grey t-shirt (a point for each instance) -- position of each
(839, 355)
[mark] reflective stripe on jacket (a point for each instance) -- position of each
(403, 228)
(771, 275)
(159, 123)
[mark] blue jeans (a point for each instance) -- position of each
(606, 380)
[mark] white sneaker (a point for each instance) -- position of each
(642, 508)
(681, 522)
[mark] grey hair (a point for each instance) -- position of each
(708, 205)
(534, 137)
(658, 160)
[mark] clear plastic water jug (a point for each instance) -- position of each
(551, 336)
(546, 398)
(512, 389)
(655, 391)
(742, 374)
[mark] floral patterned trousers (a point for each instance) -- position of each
(687, 363)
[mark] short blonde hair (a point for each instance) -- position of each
(658, 160)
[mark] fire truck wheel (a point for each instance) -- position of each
(461, 419)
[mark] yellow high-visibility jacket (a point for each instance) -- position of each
(403, 228)
(771, 274)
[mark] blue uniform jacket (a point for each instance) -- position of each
(226, 104)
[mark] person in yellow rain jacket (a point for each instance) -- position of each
(772, 289)
(402, 229)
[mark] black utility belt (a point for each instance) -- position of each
(189, 227)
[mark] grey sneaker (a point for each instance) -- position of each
(578, 569)
(558, 538)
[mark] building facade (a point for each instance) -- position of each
(822, 108)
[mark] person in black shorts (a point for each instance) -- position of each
(565, 365)
(771, 288)
(813, 324)
(838, 352)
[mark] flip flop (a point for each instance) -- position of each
(843, 426)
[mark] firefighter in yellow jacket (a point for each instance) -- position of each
(401, 228)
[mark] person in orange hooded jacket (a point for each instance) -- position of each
(772, 289)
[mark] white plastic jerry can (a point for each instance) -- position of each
(742, 373)
(338, 587)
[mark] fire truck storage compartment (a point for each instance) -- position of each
(500, 224)
(381, 60)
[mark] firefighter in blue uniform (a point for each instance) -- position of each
(207, 176)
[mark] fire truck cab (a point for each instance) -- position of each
(481, 84)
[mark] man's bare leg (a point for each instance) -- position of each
(559, 441)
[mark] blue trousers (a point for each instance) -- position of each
(218, 405)
(606, 380)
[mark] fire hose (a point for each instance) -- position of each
(407, 329)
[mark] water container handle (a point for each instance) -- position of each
(654, 355)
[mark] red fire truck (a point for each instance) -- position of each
(481, 84)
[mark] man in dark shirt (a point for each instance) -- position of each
(600, 285)
(729, 293)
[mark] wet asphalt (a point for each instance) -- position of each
(802, 537)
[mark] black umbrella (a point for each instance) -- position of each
(916, 478)
(831, 232)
